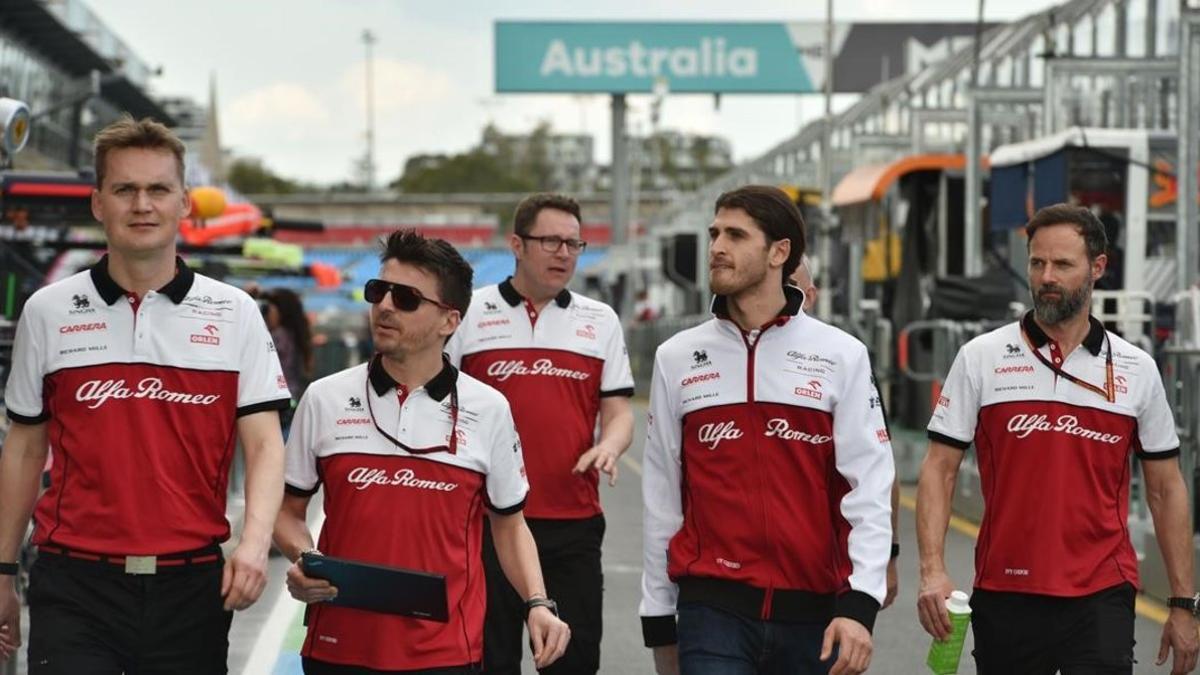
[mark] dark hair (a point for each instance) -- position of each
(529, 208)
(436, 257)
(775, 213)
(294, 321)
(1086, 224)
(127, 132)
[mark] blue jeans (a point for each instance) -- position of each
(716, 642)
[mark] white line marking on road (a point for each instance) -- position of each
(632, 464)
(274, 632)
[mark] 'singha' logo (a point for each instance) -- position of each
(700, 356)
(80, 301)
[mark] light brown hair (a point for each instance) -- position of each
(127, 132)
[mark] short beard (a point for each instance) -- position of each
(1069, 305)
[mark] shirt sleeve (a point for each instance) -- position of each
(23, 395)
(863, 455)
(662, 514)
(617, 377)
(261, 384)
(300, 474)
(1157, 438)
(507, 486)
(957, 410)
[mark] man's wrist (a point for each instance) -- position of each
(9, 569)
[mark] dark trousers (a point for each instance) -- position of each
(569, 551)
(715, 642)
(315, 667)
(91, 617)
(1041, 635)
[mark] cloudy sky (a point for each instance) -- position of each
(290, 73)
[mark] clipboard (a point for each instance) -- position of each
(378, 588)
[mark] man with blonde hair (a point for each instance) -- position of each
(143, 375)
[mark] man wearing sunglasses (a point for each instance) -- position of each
(410, 453)
(559, 358)
(1055, 405)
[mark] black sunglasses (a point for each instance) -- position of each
(404, 297)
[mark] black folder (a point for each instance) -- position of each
(378, 588)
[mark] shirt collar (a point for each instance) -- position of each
(176, 289)
(1093, 342)
(514, 298)
(438, 388)
(794, 302)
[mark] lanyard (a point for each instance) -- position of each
(453, 449)
(1109, 392)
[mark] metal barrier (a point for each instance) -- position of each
(643, 339)
(1132, 312)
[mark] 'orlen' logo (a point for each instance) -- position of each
(1122, 384)
(82, 327)
(697, 379)
(943, 402)
(813, 390)
(502, 370)
(779, 428)
(98, 392)
(364, 477)
(1024, 425)
(1013, 370)
(209, 338)
(713, 433)
(588, 331)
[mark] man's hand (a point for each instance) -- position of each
(666, 660)
(548, 636)
(893, 584)
(1179, 634)
(306, 589)
(10, 618)
(602, 458)
(245, 576)
(854, 646)
(931, 604)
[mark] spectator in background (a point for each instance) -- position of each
(284, 313)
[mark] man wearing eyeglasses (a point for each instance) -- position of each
(1055, 405)
(560, 359)
(410, 452)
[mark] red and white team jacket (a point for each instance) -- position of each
(767, 475)
(420, 506)
(1053, 456)
(553, 366)
(140, 400)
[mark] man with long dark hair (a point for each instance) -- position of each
(767, 471)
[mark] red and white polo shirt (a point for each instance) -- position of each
(1053, 456)
(396, 495)
(553, 367)
(142, 398)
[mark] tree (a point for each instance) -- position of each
(248, 175)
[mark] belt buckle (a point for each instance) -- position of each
(141, 564)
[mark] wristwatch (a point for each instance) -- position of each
(539, 601)
(9, 569)
(1190, 604)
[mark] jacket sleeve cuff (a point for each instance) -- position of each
(659, 631)
(858, 606)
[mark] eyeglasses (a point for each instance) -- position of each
(551, 244)
(404, 297)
